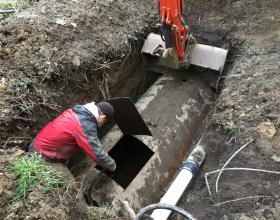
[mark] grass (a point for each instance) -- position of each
(24, 3)
(6, 5)
(33, 173)
(13, 5)
(230, 127)
(248, 44)
(103, 212)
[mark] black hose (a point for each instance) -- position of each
(152, 207)
(87, 192)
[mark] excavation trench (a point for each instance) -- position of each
(174, 108)
(107, 41)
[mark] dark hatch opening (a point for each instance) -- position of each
(130, 155)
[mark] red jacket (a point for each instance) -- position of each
(71, 131)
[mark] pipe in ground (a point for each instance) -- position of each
(189, 169)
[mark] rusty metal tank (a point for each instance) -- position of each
(173, 108)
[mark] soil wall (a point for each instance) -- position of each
(59, 53)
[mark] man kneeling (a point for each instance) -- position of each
(75, 130)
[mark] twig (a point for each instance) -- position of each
(80, 188)
(105, 65)
(72, 183)
(23, 119)
(103, 85)
(126, 57)
(49, 68)
(220, 173)
(10, 138)
(237, 168)
(235, 200)
(52, 107)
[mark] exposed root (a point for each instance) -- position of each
(103, 85)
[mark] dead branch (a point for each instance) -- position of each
(105, 65)
(23, 119)
(50, 67)
(11, 138)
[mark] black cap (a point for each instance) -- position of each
(106, 108)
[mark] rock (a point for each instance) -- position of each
(35, 196)
(267, 213)
(272, 116)
(245, 217)
(264, 147)
(242, 217)
(12, 216)
(266, 129)
(225, 217)
(275, 158)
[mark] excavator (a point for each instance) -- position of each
(175, 47)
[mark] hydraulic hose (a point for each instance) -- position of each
(87, 192)
(143, 211)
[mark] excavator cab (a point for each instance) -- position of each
(175, 47)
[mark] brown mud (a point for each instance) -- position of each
(247, 109)
(59, 53)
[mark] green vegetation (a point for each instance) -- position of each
(30, 79)
(230, 127)
(3, 6)
(33, 173)
(103, 212)
(21, 3)
(13, 5)
(7, 5)
(248, 44)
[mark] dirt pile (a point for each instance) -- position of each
(58, 53)
(247, 109)
(55, 54)
(38, 205)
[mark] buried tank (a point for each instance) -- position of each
(173, 109)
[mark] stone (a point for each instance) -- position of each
(275, 158)
(267, 213)
(242, 217)
(266, 129)
(264, 147)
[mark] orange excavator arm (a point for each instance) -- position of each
(175, 32)
(175, 47)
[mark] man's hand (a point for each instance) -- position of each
(113, 168)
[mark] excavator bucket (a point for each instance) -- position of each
(200, 55)
(155, 46)
(208, 56)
